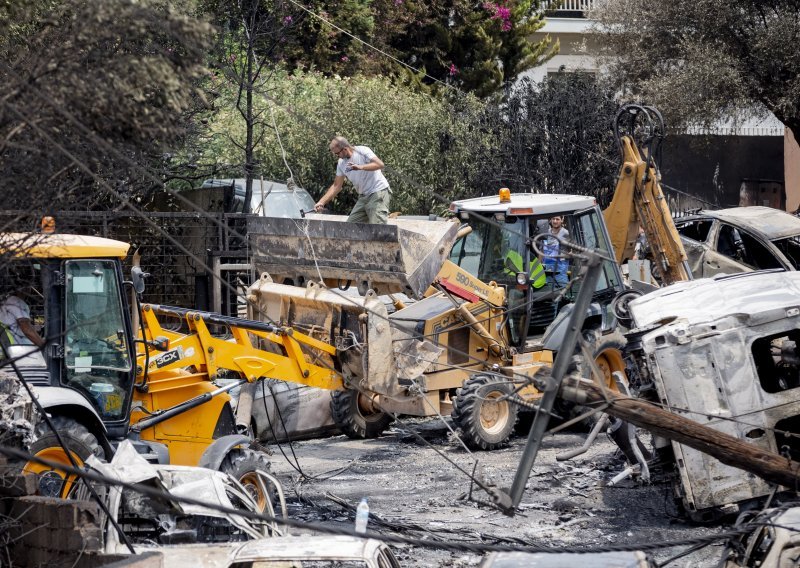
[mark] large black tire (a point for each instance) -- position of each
(483, 412)
(241, 464)
(81, 443)
(355, 415)
(608, 355)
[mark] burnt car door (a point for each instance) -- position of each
(738, 250)
(695, 235)
(727, 253)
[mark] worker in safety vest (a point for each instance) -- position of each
(513, 264)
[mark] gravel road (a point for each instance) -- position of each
(412, 486)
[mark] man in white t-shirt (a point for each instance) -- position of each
(363, 168)
(15, 323)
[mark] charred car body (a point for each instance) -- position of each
(741, 239)
(722, 351)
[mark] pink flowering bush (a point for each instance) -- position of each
(499, 12)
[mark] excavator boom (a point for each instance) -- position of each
(639, 201)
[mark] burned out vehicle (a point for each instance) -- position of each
(740, 239)
(722, 352)
(148, 519)
(774, 542)
(311, 551)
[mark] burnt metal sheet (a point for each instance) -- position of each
(210, 486)
(402, 256)
(772, 223)
(635, 559)
(701, 300)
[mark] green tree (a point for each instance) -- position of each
(704, 60)
(428, 144)
(475, 46)
(251, 37)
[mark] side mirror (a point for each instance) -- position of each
(137, 277)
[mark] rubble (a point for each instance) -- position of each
(17, 415)
(564, 505)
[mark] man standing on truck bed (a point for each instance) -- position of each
(363, 168)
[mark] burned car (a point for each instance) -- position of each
(284, 411)
(310, 550)
(147, 518)
(724, 352)
(740, 239)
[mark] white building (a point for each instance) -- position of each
(580, 52)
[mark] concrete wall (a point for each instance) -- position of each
(714, 167)
(52, 532)
(791, 161)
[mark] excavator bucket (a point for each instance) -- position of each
(402, 256)
(371, 353)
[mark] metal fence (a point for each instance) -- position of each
(190, 257)
(577, 6)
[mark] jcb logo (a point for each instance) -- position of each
(167, 358)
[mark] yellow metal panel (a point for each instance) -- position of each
(34, 245)
(186, 435)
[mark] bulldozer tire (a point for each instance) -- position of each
(607, 351)
(81, 443)
(485, 418)
(241, 464)
(608, 355)
(355, 415)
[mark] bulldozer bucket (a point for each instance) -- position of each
(372, 354)
(402, 256)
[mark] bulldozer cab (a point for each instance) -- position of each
(96, 336)
(72, 287)
(538, 285)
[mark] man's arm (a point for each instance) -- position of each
(373, 165)
(333, 190)
(26, 327)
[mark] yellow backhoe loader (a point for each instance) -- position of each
(489, 311)
(101, 384)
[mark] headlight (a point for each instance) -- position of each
(522, 278)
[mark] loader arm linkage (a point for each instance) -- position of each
(639, 201)
(200, 350)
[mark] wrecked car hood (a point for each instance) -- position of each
(213, 487)
(703, 300)
(288, 550)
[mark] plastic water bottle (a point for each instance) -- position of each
(362, 516)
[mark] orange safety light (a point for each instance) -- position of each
(505, 195)
(521, 211)
(48, 224)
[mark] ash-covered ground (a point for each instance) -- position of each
(415, 489)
